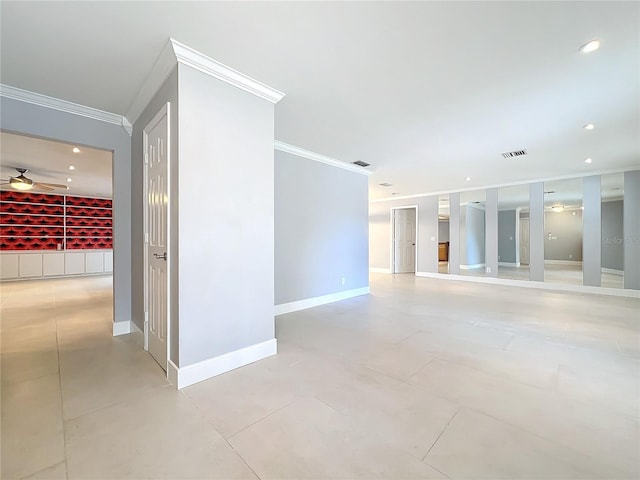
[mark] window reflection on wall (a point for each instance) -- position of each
(612, 253)
(563, 231)
(443, 233)
(513, 232)
(472, 232)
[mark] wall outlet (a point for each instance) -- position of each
(488, 269)
(570, 256)
(343, 281)
(433, 239)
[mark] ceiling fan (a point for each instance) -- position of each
(21, 182)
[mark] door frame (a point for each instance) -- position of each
(392, 257)
(164, 111)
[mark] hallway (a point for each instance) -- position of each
(421, 379)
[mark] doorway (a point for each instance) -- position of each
(156, 236)
(404, 221)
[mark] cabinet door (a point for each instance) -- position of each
(73, 263)
(94, 262)
(9, 266)
(53, 264)
(30, 265)
(108, 262)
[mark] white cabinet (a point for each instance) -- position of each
(30, 265)
(73, 263)
(94, 262)
(53, 264)
(9, 266)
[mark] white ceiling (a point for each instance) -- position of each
(429, 93)
(49, 162)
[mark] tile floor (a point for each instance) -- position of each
(421, 379)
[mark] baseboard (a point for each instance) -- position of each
(471, 267)
(573, 263)
(613, 271)
(614, 292)
(508, 264)
(317, 301)
(123, 328)
(379, 270)
(182, 377)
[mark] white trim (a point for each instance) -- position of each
(508, 184)
(471, 267)
(34, 98)
(194, 59)
(182, 377)
(573, 263)
(317, 301)
(124, 328)
(507, 264)
(615, 292)
(613, 271)
(308, 154)
(379, 270)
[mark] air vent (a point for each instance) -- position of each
(549, 192)
(385, 184)
(517, 153)
(360, 163)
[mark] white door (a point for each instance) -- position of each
(404, 228)
(524, 241)
(156, 146)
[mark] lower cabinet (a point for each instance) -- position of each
(15, 266)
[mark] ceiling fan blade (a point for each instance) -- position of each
(42, 186)
(50, 185)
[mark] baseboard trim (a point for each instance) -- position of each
(507, 264)
(123, 328)
(317, 301)
(471, 267)
(613, 271)
(182, 377)
(573, 263)
(379, 270)
(614, 292)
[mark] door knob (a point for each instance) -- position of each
(163, 256)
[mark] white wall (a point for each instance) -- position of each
(321, 229)
(226, 217)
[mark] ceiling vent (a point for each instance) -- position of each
(360, 163)
(517, 153)
(385, 184)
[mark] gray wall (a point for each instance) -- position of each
(321, 229)
(443, 231)
(454, 234)
(472, 235)
(428, 234)
(536, 231)
(507, 236)
(167, 93)
(612, 235)
(34, 120)
(566, 235)
(631, 226)
(226, 217)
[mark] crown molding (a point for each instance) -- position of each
(188, 56)
(34, 98)
(301, 152)
(175, 52)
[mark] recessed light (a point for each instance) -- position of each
(588, 160)
(558, 208)
(76, 150)
(468, 179)
(589, 126)
(591, 46)
(71, 167)
(68, 180)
